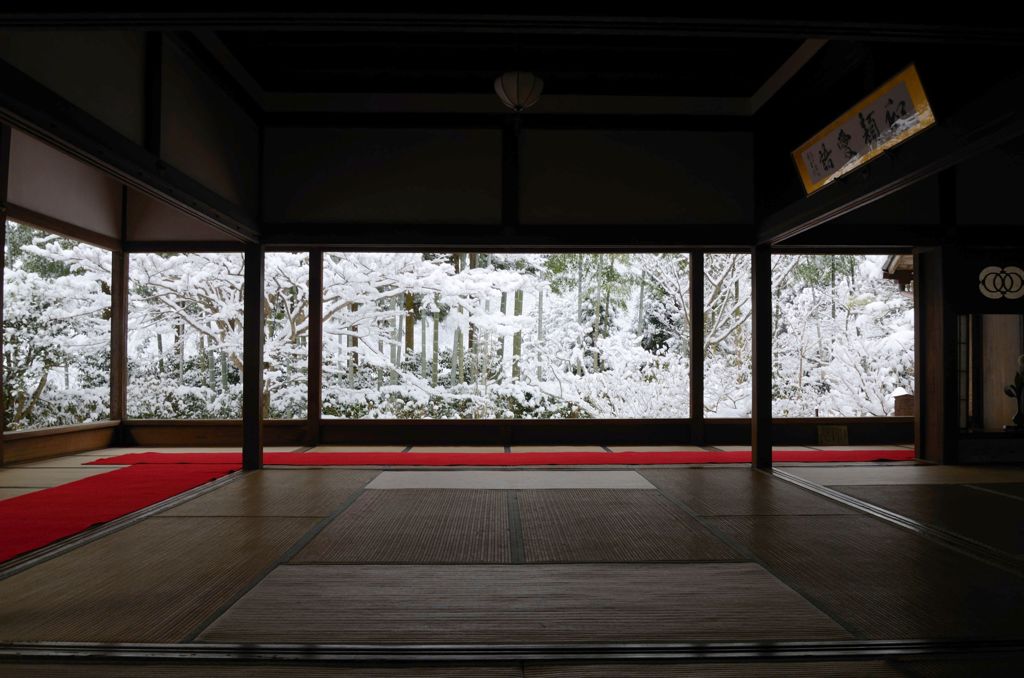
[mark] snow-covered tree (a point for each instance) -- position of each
(448, 335)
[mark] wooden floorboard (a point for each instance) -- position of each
(513, 604)
(985, 517)
(725, 492)
(960, 666)
(567, 526)
(851, 669)
(249, 670)
(1013, 489)
(907, 475)
(152, 582)
(416, 526)
(881, 580)
(279, 492)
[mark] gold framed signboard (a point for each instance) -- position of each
(891, 114)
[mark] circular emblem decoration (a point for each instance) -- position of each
(1001, 283)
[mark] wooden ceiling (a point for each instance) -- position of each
(390, 61)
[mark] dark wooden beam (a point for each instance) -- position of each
(761, 384)
(252, 360)
(315, 346)
(212, 68)
(697, 348)
(26, 104)
(954, 28)
(495, 238)
(5, 166)
(153, 93)
(864, 238)
(510, 194)
(984, 123)
(528, 121)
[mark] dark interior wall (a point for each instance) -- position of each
(989, 186)
(101, 72)
(636, 177)
(153, 220)
(382, 176)
(205, 134)
(51, 183)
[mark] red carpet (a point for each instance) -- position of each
(39, 518)
(498, 459)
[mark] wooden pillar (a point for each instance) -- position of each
(936, 404)
(119, 337)
(5, 164)
(697, 436)
(119, 327)
(314, 343)
(252, 360)
(761, 319)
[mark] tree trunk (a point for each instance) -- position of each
(353, 353)
(503, 308)
(223, 359)
(434, 348)
(640, 315)
(410, 325)
(540, 330)
(579, 289)
(423, 345)
(517, 338)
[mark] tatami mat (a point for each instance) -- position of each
(567, 526)
(510, 480)
(207, 449)
(847, 448)
(884, 581)
(67, 461)
(152, 582)
(359, 448)
(982, 516)
(659, 448)
(746, 448)
(15, 476)
(907, 475)
(512, 604)
(449, 449)
(853, 669)
(279, 492)
(556, 448)
(738, 491)
(9, 492)
(416, 526)
(285, 669)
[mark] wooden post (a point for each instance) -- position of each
(5, 165)
(315, 348)
(697, 348)
(761, 319)
(119, 339)
(252, 360)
